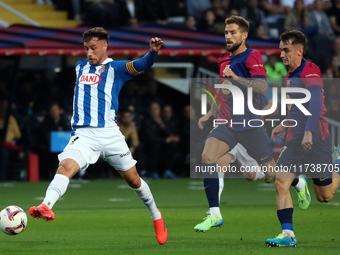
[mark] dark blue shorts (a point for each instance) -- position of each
(316, 163)
(255, 140)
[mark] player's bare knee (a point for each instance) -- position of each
(208, 158)
(62, 169)
(280, 186)
(324, 199)
(67, 168)
(134, 182)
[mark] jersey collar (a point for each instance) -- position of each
(106, 61)
(300, 67)
(240, 54)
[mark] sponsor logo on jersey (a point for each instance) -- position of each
(264, 157)
(89, 79)
(125, 154)
(312, 74)
(75, 139)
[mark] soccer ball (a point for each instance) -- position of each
(13, 220)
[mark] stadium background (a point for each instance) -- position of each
(40, 43)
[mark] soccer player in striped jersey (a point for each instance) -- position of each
(95, 131)
(308, 143)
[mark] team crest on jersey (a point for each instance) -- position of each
(227, 66)
(89, 79)
(102, 69)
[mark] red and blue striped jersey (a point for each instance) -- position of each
(248, 64)
(308, 76)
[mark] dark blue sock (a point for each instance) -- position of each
(296, 180)
(286, 218)
(211, 185)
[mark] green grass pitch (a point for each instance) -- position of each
(106, 217)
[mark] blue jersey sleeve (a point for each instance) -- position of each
(315, 105)
(264, 99)
(136, 66)
(145, 62)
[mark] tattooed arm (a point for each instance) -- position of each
(259, 85)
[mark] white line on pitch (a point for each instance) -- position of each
(267, 189)
(263, 184)
(7, 185)
(196, 187)
(42, 198)
(334, 204)
(119, 199)
(73, 185)
(124, 186)
(196, 183)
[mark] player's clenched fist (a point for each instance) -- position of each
(227, 72)
(277, 132)
(155, 44)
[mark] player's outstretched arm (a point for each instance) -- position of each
(146, 62)
(259, 85)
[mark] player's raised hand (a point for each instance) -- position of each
(202, 120)
(227, 72)
(155, 44)
(307, 140)
(277, 132)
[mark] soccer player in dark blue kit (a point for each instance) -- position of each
(244, 68)
(306, 143)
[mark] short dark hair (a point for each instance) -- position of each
(296, 37)
(96, 32)
(242, 23)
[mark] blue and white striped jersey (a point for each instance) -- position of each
(96, 93)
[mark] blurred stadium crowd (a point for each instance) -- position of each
(154, 119)
(156, 133)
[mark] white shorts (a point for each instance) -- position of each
(87, 144)
(240, 153)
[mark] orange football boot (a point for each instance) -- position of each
(42, 212)
(160, 230)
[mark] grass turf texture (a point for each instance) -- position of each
(87, 222)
